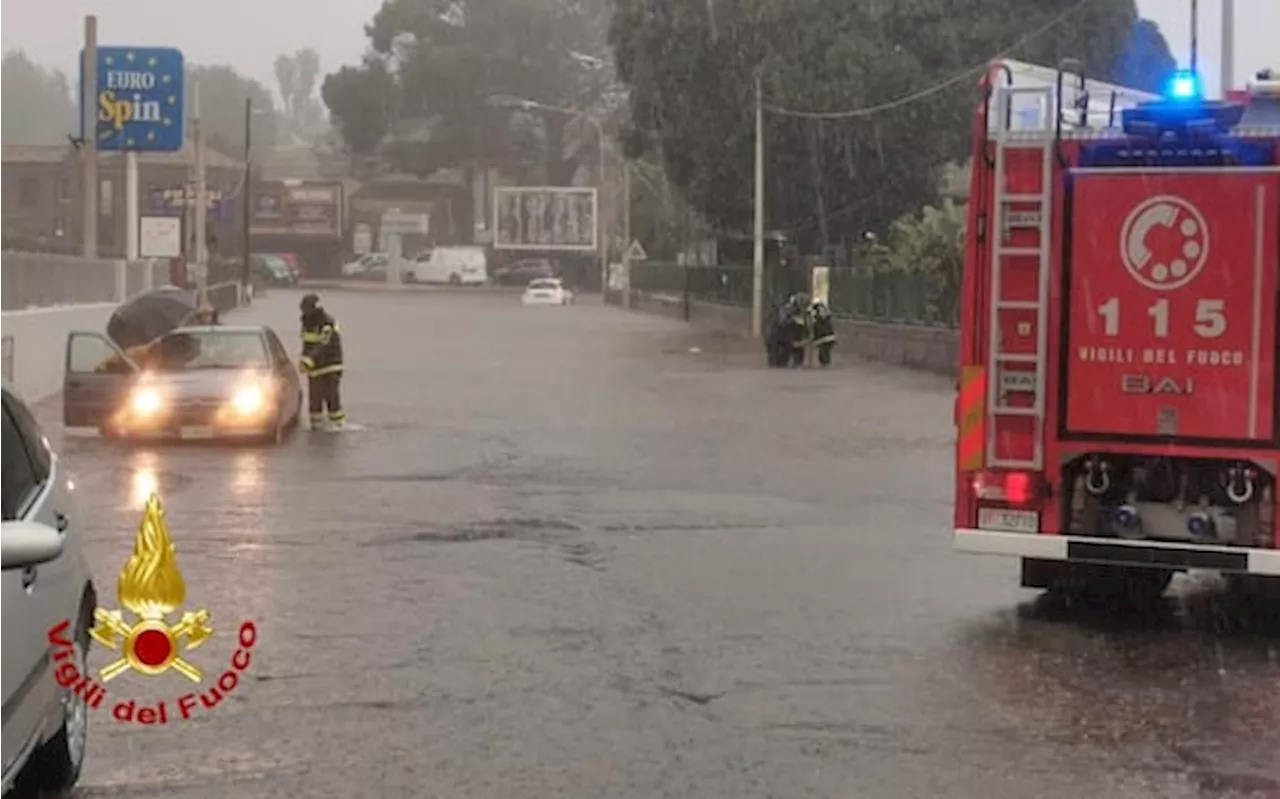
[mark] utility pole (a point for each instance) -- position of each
(89, 139)
(1228, 46)
(601, 221)
(246, 200)
(757, 266)
(202, 198)
(1195, 37)
(626, 202)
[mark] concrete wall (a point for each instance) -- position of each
(932, 349)
(38, 344)
(35, 339)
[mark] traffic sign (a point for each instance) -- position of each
(160, 236)
(636, 252)
(139, 101)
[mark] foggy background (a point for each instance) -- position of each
(213, 33)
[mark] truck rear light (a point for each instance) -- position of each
(1017, 488)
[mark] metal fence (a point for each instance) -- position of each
(855, 292)
(37, 280)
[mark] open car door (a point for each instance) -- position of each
(98, 375)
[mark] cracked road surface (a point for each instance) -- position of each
(568, 556)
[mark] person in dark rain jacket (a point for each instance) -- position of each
(321, 362)
(823, 329)
(795, 327)
(785, 331)
(776, 344)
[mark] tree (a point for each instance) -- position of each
(222, 95)
(829, 179)
(457, 67)
(1146, 63)
(286, 79)
(930, 246)
(360, 102)
(38, 105)
(296, 77)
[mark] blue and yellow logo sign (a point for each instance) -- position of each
(139, 99)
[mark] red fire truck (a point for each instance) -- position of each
(1118, 408)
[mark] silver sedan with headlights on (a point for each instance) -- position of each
(201, 382)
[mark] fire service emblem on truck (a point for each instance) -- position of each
(1164, 242)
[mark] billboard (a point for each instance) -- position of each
(311, 209)
(545, 218)
(139, 99)
(175, 200)
(1171, 321)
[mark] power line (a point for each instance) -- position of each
(934, 89)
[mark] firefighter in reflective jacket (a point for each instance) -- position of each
(321, 362)
(823, 330)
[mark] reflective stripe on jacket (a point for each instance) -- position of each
(321, 345)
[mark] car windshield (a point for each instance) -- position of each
(544, 284)
(215, 349)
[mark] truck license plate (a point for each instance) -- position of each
(1012, 521)
(196, 432)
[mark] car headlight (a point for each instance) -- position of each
(146, 402)
(249, 400)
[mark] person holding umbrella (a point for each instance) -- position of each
(206, 314)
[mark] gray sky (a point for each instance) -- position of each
(248, 34)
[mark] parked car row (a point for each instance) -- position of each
(275, 270)
(452, 265)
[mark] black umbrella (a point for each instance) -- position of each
(148, 316)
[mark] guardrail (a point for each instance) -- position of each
(38, 280)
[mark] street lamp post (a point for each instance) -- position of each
(247, 200)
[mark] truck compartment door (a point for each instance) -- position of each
(1171, 304)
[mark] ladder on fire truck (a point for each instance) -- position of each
(1035, 209)
(1062, 103)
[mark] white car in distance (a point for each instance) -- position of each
(546, 291)
(365, 264)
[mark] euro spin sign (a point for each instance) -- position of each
(1171, 316)
(139, 99)
(152, 635)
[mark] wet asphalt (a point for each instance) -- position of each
(578, 552)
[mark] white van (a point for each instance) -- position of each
(458, 266)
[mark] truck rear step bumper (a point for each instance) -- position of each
(1241, 560)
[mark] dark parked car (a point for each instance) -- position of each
(519, 273)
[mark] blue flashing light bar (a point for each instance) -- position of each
(1182, 112)
(1184, 85)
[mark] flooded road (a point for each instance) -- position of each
(579, 552)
